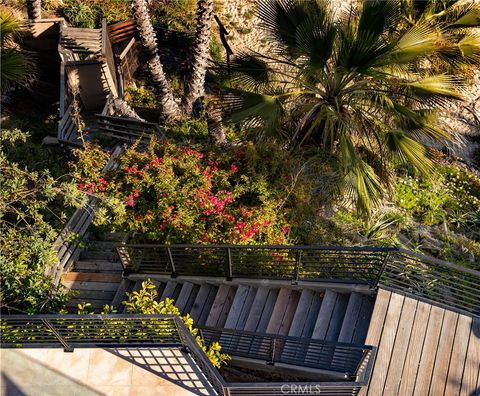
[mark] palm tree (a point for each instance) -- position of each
(34, 9)
(195, 88)
(351, 88)
(15, 65)
(170, 108)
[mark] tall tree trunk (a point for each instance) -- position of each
(195, 88)
(216, 133)
(170, 108)
(34, 9)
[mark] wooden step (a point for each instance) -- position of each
(330, 316)
(283, 312)
(351, 316)
(191, 299)
(92, 277)
(221, 306)
(172, 290)
(202, 304)
(120, 293)
(240, 308)
(97, 266)
(262, 309)
(90, 255)
(363, 321)
(306, 314)
(87, 295)
(184, 295)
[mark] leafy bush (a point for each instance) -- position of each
(145, 302)
(177, 194)
(27, 200)
(174, 14)
(89, 13)
(452, 198)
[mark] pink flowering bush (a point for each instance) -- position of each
(177, 194)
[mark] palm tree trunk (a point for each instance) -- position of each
(196, 81)
(34, 9)
(216, 133)
(170, 108)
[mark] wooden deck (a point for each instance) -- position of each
(422, 349)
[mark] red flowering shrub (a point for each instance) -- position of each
(176, 194)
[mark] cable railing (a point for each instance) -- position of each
(292, 263)
(157, 331)
(399, 270)
(430, 279)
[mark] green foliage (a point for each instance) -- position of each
(453, 196)
(174, 14)
(81, 14)
(89, 13)
(216, 49)
(177, 194)
(359, 88)
(16, 66)
(26, 236)
(145, 302)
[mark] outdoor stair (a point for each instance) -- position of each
(319, 315)
(96, 276)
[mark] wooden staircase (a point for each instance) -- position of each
(320, 315)
(96, 275)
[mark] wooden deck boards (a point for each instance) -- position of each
(422, 349)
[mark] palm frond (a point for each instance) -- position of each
(282, 18)
(467, 15)
(360, 182)
(436, 90)
(469, 47)
(315, 39)
(252, 109)
(376, 16)
(408, 151)
(419, 41)
(247, 70)
(9, 26)
(14, 67)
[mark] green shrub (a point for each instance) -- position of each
(145, 302)
(176, 194)
(27, 201)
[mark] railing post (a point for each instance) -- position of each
(382, 269)
(170, 259)
(229, 271)
(272, 350)
(298, 260)
(66, 346)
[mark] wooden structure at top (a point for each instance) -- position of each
(94, 66)
(127, 50)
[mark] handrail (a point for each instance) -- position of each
(343, 358)
(326, 263)
(400, 270)
(131, 330)
(426, 278)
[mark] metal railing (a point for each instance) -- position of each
(345, 359)
(426, 278)
(293, 263)
(154, 331)
(399, 270)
